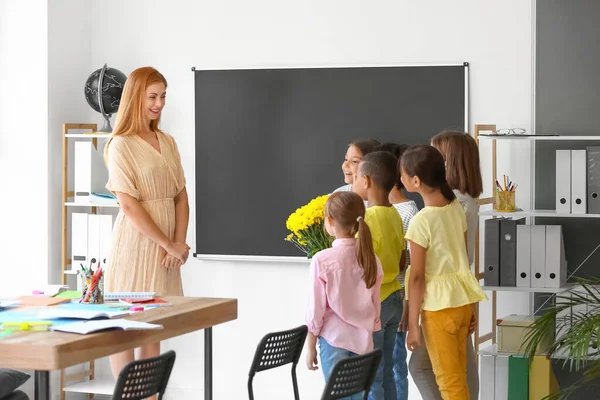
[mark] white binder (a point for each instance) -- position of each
(563, 181)
(556, 264)
(105, 237)
(523, 255)
(94, 239)
(90, 172)
(488, 377)
(501, 382)
(79, 240)
(538, 256)
(579, 181)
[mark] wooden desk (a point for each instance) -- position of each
(46, 351)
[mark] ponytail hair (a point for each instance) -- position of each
(427, 163)
(347, 210)
(366, 254)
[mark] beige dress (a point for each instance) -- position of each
(154, 179)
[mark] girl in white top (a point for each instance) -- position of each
(355, 153)
(463, 174)
(407, 209)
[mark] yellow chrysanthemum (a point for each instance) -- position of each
(306, 225)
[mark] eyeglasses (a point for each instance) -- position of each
(511, 131)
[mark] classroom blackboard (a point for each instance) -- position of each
(270, 140)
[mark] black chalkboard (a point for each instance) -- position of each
(269, 140)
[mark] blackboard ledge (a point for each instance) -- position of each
(269, 259)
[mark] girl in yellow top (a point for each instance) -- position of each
(442, 288)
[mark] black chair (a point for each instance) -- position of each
(144, 378)
(277, 349)
(351, 376)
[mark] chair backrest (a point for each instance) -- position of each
(279, 348)
(144, 378)
(352, 375)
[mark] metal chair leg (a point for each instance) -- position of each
(250, 391)
(295, 383)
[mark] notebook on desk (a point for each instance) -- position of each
(85, 327)
(115, 296)
(63, 313)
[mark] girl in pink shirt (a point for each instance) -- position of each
(343, 302)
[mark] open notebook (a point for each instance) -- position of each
(60, 313)
(85, 327)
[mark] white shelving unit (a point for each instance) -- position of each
(531, 213)
(535, 214)
(526, 289)
(96, 386)
(99, 205)
(89, 385)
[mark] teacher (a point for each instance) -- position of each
(145, 173)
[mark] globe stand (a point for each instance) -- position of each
(106, 128)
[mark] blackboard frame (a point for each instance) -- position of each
(205, 255)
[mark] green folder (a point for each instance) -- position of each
(518, 378)
(69, 294)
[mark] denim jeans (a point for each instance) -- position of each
(330, 356)
(384, 387)
(400, 366)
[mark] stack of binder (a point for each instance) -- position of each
(509, 377)
(519, 255)
(578, 181)
(91, 236)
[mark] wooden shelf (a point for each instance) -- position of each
(526, 289)
(87, 135)
(535, 213)
(96, 386)
(538, 137)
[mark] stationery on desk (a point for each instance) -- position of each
(85, 327)
(116, 296)
(62, 313)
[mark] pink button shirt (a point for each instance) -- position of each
(340, 307)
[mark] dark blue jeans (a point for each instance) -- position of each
(400, 366)
(384, 387)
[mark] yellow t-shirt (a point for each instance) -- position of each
(449, 281)
(388, 242)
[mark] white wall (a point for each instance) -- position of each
(494, 36)
(69, 65)
(24, 224)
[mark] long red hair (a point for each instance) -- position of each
(130, 117)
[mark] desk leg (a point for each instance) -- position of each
(42, 385)
(208, 372)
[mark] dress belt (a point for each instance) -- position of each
(171, 199)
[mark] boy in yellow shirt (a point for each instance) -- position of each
(377, 173)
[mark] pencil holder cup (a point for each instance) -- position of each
(92, 287)
(505, 201)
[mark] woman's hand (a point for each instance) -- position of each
(311, 358)
(170, 262)
(179, 251)
(473, 324)
(413, 339)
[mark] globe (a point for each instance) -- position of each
(106, 100)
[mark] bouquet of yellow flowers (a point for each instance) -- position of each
(307, 227)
